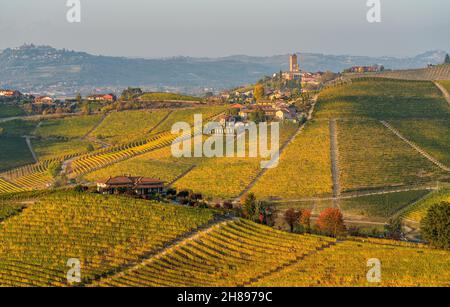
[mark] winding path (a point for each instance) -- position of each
(30, 147)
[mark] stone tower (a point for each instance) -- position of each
(293, 64)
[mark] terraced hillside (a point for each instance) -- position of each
(242, 253)
(104, 233)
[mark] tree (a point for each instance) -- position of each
(435, 226)
(86, 109)
(394, 229)
(249, 206)
(54, 169)
(258, 92)
(257, 116)
(304, 220)
(291, 217)
(447, 59)
(331, 222)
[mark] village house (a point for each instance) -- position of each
(102, 97)
(140, 186)
(285, 114)
(10, 93)
(43, 100)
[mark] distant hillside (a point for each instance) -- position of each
(60, 72)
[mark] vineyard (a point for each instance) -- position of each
(431, 135)
(7, 187)
(383, 99)
(241, 253)
(104, 233)
(372, 156)
(345, 264)
(417, 211)
(70, 127)
(304, 169)
(123, 127)
(154, 164)
(438, 72)
(379, 207)
(229, 254)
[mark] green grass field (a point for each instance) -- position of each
(14, 153)
(431, 135)
(18, 127)
(69, 127)
(372, 156)
(10, 111)
(383, 99)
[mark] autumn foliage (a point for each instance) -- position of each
(331, 222)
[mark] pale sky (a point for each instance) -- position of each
(164, 28)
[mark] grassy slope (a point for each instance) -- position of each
(14, 153)
(10, 111)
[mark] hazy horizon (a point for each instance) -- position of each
(202, 28)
